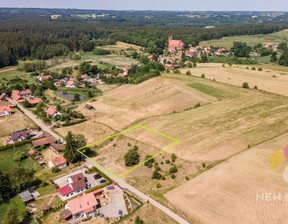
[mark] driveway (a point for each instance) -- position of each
(62, 181)
(117, 203)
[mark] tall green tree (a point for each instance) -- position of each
(5, 187)
(11, 216)
(73, 142)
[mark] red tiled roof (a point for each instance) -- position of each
(25, 92)
(97, 191)
(168, 66)
(121, 75)
(35, 101)
(84, 76)
(43, 141)
(32, 151)
(46, 77)
(51, 111)
(16, 135)
(70, 83)
(88, 210)
(57, 147)
(59, 160)
(6, 107)
(83, 203)
(77, 177)
(65, 190)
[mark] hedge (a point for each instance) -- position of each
(9, 146)
(73, 122)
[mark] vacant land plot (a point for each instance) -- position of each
(236, 184)
(124, 105)
(90, 129)
(110, 153)
(145, 214)
(253, 40)
(13, 122)
(270, 79)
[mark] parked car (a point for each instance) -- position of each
(102, 181)
(97, 176)
(120, 213)
(110, 188)
(88, 185)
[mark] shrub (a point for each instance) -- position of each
(151, 161)
(19, 156)
(132, 157)
(260, 69)
(156, 175)
(167, 161)
(203, 165)
(173, 169)
(203, 76)
(173, 157)
(158, 185)
(99, 51)
(44, 184)
(245, 85)
(173, 176)
(255, 87)
(253, 68)
(188, 73)
(55, 170)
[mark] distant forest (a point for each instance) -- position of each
(32, 34)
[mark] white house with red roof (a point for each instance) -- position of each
(53, 112)
(76, 185)
(59, 162)
(44, 77)
(5, 110)
(84, 205)
(70, 84)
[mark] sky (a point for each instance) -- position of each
(175, 5)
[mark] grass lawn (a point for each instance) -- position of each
(212, 91)
(49, 189)
(16, 202)
(7, 161)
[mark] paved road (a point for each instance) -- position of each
(123, 184)
(36, 120)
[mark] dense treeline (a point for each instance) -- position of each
(42, 40)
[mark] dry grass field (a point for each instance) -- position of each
(90, 129)
(229, 121)
(270, 79)
(228, 192)
(13, 122)
(150, 214)
(124, 105)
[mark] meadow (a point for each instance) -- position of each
(227, 42)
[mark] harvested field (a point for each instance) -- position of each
(228, 192)
(144, 214)
(124, 105)
(270, 79)
(90, 129)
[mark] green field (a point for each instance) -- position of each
(7, 161)
(274, 38)
(212, 91)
